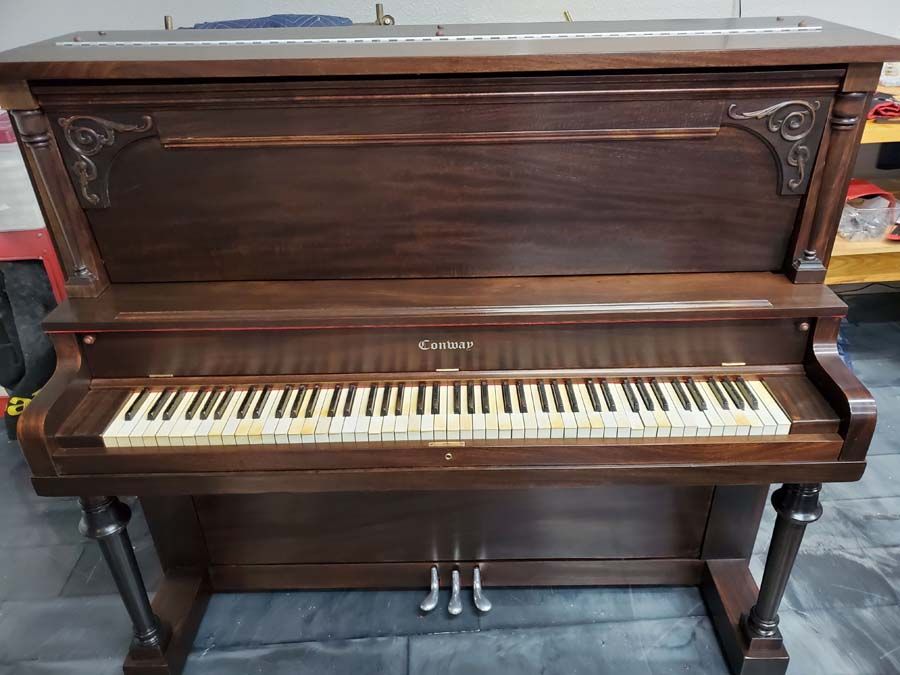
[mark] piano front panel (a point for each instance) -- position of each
(617, 521)
(422, 349)
(559, 175)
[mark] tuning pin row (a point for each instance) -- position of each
(454, 607)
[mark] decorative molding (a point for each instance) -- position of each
(792, 123)
(87, 136)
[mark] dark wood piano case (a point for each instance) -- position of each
(653, 204)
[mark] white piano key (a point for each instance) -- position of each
(112, 436)
(389, 419)
(270, 428)
(577, 408)
(661, 420)
(541, 418)
(283, 425)
(229, 431)
(357, 408)
(688, 418)
(765, 396)
(440, 419)
(313, 414)
(256, 434)
(414, 428)
(770, 426)
(126, 430)
(323, 421)
(137, 435)
(295, 424)
(723, 411)
(188, 431)
(504, 423)
(427, 421)
(570, 427)
(453, 421)
(716, 423)
(202, 435)
(336, 422)
(466, 431)
(631, 419)
(530, 417)
(594, 419)
(407, 411)
(478, 419)
(516, 417)
(648, 419)
(166, 436)
(361, 426)
(492, 418)
(216, 433)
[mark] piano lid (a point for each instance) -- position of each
(348, 50)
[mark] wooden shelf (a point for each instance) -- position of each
(883, 132)
(859, 262)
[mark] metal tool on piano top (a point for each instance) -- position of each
(566, 277)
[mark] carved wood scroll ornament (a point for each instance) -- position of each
(87, 136)
(794, 121)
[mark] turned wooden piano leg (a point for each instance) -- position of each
(106, 519)
(797, 506)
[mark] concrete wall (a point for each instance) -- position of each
(23, 21)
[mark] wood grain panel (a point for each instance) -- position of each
(621, 522)
(387, 211)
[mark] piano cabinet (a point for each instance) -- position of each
(614, 234)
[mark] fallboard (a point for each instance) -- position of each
(452, 177)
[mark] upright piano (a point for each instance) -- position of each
(447, 306)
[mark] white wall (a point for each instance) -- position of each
(23, 21)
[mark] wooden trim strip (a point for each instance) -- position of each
(470, 138)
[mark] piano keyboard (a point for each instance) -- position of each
(372, 412)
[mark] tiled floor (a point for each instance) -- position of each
(841, 615)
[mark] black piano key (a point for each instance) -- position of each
(138, 402)
(681, 394)
(717, 392)
(386, 400)
(630, 395)
(660, 395)
(420, 400)
(281, 406)
(748, 394)
(542, 395)
(195, 404)
(298, 402)
(470, 397)
(485, 398)
(507, 403)
(695, 394)
(311, 406)
(607, 396)
(457, 398)
(223, 404)
(644, 393)
(592, 395)
(398, 406)
(209, 406)
(159, 404)
(733, 393)
(173, 406)
(348, 404)
(557, 396)
(335, 395)
(245, 404)
(520, 394)
(435, 399)
(261, 402)
(373, 394)
(570, 394)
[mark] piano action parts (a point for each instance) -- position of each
(325, 283)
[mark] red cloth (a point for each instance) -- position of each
(6, 130)
(885, 110)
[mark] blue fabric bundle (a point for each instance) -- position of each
(280, 21)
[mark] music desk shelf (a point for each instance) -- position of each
(860, 262)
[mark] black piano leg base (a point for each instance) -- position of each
(105, 519)
(797, 506)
